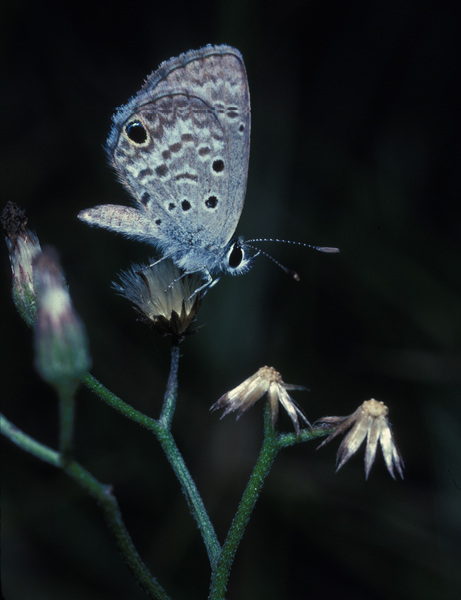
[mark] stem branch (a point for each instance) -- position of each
(104, 497)
(261, 470)
(161, 430)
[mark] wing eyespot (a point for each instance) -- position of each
(137, 133)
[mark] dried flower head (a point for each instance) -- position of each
(265, 381)
(164, 296)
(368, 421)
(23, 247)
(61, 347)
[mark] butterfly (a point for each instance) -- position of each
(181, 147)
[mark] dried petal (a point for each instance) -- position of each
(368, 421)
(265, 381)
(165, 297)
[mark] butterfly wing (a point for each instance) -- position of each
(181, 147)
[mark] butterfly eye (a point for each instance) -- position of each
(235, 256)
(237, 260)
(136, 132)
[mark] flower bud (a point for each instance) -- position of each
(23, 247)
(61, 347)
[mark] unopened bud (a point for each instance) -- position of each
(61, 346)
(23, 247)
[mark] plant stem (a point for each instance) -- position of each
(270, 448)
(120, 405)
(171, 393)
(172, 453)
(102, 494)
(261, 470)
(66, 423)
(28, 443)
(109, 505)
(194, 500)
(284, 440)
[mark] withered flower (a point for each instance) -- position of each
(368, 421)
(23, 247)
(162, 295)
(265, 381)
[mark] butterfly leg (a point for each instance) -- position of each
(209, 283)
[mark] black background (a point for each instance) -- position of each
(355, 144)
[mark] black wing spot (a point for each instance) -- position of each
(211, 202)
(171, 205)
(158, 221)
(218, 165)
(136, 132)
(185, 205)
(242, 127)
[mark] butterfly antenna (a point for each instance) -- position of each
(286, 270)
(326, 249)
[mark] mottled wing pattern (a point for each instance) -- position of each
(189, 173)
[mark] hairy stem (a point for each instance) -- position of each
(171, 393)
(194, 500)
(66, 423)
(284, 440)
(109, 505)
(270, 448)
(120, 405)
(28, 443)
(161, 429)
(104, 497)
(220, 575)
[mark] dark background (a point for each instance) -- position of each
(354, 144)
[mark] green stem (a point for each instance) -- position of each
(194, 500)
(261, 470)
(119, 405)
(178, 465)
(284, 440)
(173, 455)
(102, 494)
(270, 448)
(109, 505)
(28, 443)
(171, 393)
(66, 423)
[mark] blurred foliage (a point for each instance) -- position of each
(355, 144)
